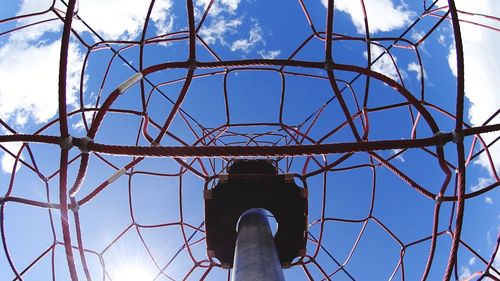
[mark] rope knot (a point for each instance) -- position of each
(84, 144)
(66, 143)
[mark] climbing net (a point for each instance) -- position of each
(114, 180)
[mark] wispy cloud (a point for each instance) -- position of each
(218, 28)
(221, 22)
(481, 183)
(496, 264)
(400, 156)
(464, 273)
(79, 125)
(383, 15)
(417, 35)
(247, 44)
(384, 64)
(269, 54)
(228, 6)
(414, 67)
(226, 28)
(442, 40)
(162, 17)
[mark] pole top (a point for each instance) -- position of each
(255, 184)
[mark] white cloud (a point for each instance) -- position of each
(79, 125)
(472, 261)
(232, 5)
(29, 70)
(29, 88)
(247, 44)
(488, 200)
(124, 19)
(442, 40)
(241, 45)
(29, 54)
(481, 58)
(110, 19)
(399, 157)
(452, 60)
(496, 263)
(217, 30)
(464, 273)
(229, 6)
(384, 64)
(162, 17)
(488, 238)
(269, 54)
(7, 159)
(223, 25)
(36, 31)
(417, 35)
(383, 15)
(413, 66)
(481, 183)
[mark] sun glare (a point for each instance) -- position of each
(133, 273)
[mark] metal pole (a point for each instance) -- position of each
(255, 255)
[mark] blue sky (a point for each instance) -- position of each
(140, 211)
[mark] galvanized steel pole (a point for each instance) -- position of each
(256, 258)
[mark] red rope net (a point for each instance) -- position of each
(384, 161)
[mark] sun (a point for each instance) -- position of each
(133, 273)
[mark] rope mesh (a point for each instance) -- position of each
(117, 178)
